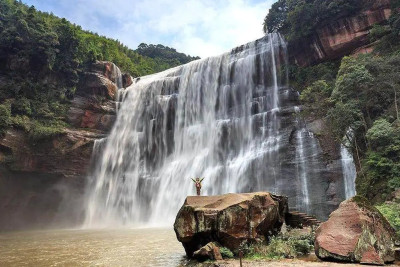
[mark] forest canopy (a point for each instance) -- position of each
(42, 57)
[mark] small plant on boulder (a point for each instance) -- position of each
(226, 253)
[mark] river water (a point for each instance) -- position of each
(127, 247)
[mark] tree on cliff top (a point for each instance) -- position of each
(299, 18)
(164, 52)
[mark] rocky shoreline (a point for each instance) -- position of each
(253, 226)
(311, 261)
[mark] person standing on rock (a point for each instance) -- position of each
(197, 183)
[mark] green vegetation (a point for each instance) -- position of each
(361, 105)
(359, 99)
(391, 211)
(298, 19)
(165, 57)
(226, 253)
(282, 246)
(42, 57)
(5, 118)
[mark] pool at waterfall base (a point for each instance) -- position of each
(105, 247)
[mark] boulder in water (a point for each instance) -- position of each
(355, 232)
(231, 220)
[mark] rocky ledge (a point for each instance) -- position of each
(356, 232)
(231, 220)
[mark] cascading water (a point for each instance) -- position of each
(230, 119)
(349, 172)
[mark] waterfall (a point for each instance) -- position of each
(227, 118)
(302, 133)
(117, 76)
(349, 172)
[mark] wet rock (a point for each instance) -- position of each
(208, 252)
(231, 220)
(107, 69)
(356, 232)
(126, 80)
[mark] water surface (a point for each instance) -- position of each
(128, 247)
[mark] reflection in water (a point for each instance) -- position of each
(136, 247)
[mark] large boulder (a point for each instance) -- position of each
(356, 232)
(231, 220)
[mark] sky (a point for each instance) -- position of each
(195, 27)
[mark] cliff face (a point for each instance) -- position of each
(38, 177)
(339, 38)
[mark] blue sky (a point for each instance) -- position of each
(196, 27)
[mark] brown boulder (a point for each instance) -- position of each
(208, 252)
(94, 84)
(356, 232)
(231, 220)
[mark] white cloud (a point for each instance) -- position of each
(195, 27)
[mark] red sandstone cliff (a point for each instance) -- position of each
(345, 36)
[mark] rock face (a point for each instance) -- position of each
(341, 37)
(127, 80)
(94, 105)
(355, 232)
(231, 219)
(89, 112)
(38, 179)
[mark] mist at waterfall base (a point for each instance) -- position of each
(231, 119)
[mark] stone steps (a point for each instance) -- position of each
(298, 219)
